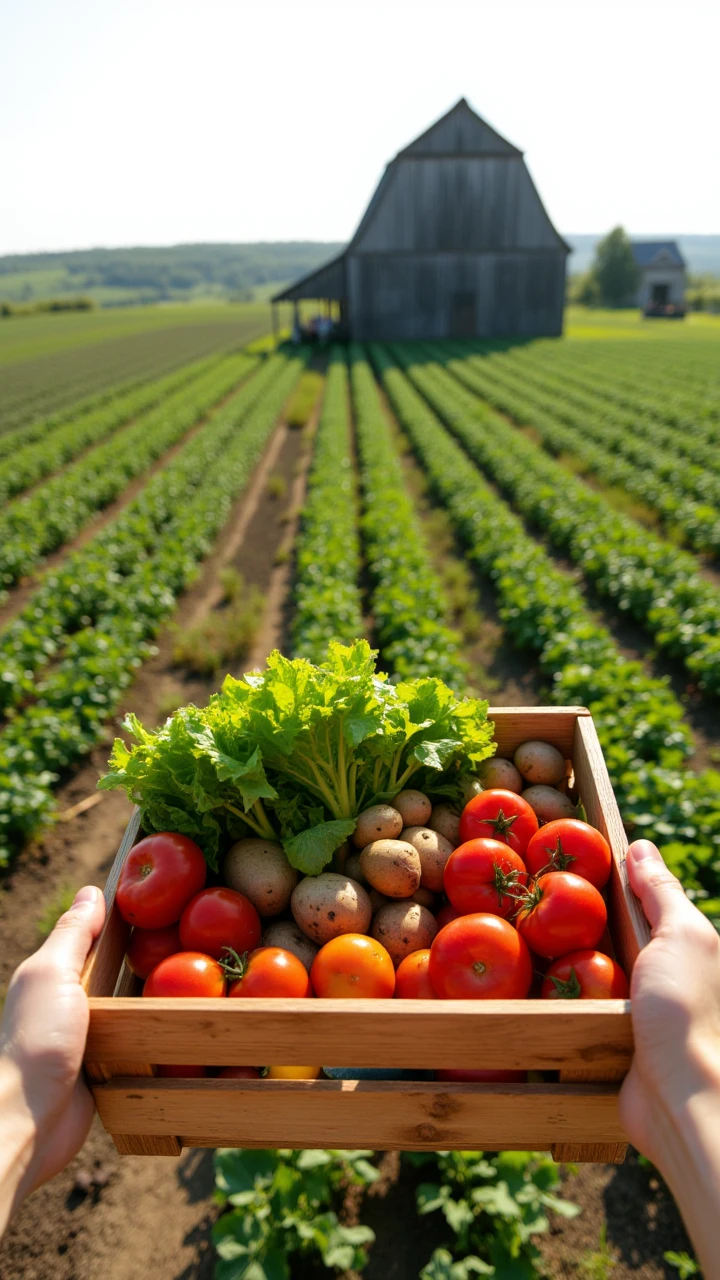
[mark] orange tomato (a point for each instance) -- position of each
(293, 1073)
(272, 971)
(412, 980)
(353, 966)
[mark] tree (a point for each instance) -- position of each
(614, 269)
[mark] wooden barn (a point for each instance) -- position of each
(455, 243)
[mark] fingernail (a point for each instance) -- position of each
(642, 850)
(85, 897)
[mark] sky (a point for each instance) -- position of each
(126, 122)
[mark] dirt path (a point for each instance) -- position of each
(150, 1215)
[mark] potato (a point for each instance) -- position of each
(286, 934)
(260, 870)
(392, 866)
(540, 762)
(381, 822)
(424, 897)
(549, 803)
(378, 900)
(330, 904)
(413, 807)
(500, 773)
(434, 851)
(403, 927)
(352, 868)
(447, 822)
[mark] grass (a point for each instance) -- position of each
(304, 398)
(225, 635)
(276, 486)
(600, 1264)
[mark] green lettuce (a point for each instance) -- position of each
(297, 751)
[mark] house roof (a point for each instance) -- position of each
(650, 253)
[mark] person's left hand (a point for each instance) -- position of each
(42, 1042)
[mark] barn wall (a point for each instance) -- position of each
(444, 295)
(451, 204)
(460, 130)
(670, 275)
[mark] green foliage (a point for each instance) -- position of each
(409, 604)
(494, 1206)
(298, 750)
(683, 1263)
(639, 720)
(614, 269)
(94, 618)
(225, 635)
(281, 1206)
(600, 1264)
(305, 397)
(328, 605)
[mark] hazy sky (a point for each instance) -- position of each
(162, 121)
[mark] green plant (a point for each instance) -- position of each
(223, 636)
(276, 486)
(282, 1206)
(599, 1264)
(56, 907)
(494, 1205)
(683, 1263)
(304, 399)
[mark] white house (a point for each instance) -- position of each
(662, 275)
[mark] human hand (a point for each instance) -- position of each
(45, 1107)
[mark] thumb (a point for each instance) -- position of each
(660, 892)
(71, 939)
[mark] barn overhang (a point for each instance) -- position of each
(327, 282)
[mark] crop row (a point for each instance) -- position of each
(58, 446)
(328, 603)
(409, 605)
(32, 527)
(112, 597)
(644, 467)
(644, 576)
(639, 720)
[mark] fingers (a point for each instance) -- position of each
(76, 930)
(660, 892)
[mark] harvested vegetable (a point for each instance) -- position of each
(500, 773)
(549, 804)
(414, 808)
(404, 927)
(434, 851)
(391, 866)
(540, 762)
(381, 822)
(330, 904)
(446, 822)
(355, 967)
(260, 870)
(289, 936)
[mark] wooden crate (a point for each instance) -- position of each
(587, 1043)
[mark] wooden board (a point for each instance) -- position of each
(386, 1115)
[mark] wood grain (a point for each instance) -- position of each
(514, 725)
(542, 1035)
(384, 1115)
(142, 1145)
(103, 965)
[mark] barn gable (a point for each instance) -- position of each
(460, 132)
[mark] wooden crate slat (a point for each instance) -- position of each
(523, 1034)
(392, 1115)
(514, 725)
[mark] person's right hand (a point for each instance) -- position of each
(675, 993)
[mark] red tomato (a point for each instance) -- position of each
(502, 815)
(585, 975)
(218, 919)
(481, 875)
(480, 957)
(412, 979)
(570, 845)
(149, 946)
(446, 913)
(239, 1073)
(160, 875)
(563, 913)
(272, 971)
(188, 1073)
(480, 1076)
(354, 966)
(189, 973)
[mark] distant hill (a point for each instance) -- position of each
(122, 277)
(702, 253)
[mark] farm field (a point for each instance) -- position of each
(537, 522)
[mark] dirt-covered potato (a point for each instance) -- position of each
(447, 822)
(413, 807)
(260, 870)
(378, 900)
(549, 804)
(381, 822)
(539, 762)
(330, 904)
(434, 851)
(424, 897)
(352, 868)
(403, 927)
(392, 866)
(289, 936)
(500, 773)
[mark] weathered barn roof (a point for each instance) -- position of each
(651, 253)
(459, 135)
